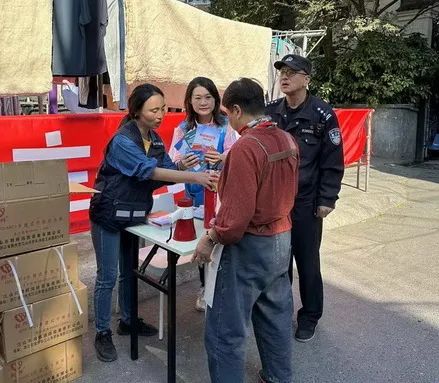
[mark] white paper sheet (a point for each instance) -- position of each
(78, 205)
(53, 138)
(78, 177)
(211, 273)
(19, 155)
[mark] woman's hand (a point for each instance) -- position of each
(208, 180)
(189, 161)
(212, 157)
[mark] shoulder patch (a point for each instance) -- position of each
(325, 114)
(273, 102)
(335, 136)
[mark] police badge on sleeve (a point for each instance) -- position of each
(334, 136)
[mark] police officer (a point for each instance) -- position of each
(314, 125)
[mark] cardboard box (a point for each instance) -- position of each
(55, 320)
(40, 273)
(34, 206)
(61, 364)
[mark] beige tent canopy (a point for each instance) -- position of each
(167, 43)
(25, 46)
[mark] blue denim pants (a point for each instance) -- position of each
(252, 285)
(110, 255)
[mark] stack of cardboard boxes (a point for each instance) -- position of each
(43, 305)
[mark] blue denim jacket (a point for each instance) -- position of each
(125, 156)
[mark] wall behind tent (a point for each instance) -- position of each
(174, 94)
(81, 139)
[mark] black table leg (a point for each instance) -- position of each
(132, 246)
(131, 243)
(172, 267)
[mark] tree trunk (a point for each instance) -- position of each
(329, 50)
(286, 20)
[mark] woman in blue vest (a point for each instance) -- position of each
(202, 103)
(134, 165)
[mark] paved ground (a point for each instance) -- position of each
(381, 271)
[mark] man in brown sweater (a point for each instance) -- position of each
(257, 189)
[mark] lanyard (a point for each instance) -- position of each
(261, 122)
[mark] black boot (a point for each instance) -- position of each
(144, 329)
(305, 331)
(104, 346)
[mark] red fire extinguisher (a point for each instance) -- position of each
(210, 200)
(209, 207)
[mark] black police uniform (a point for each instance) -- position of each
(315, 127)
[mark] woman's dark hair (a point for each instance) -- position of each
(139, 96)
(191, 116)
(246, 93)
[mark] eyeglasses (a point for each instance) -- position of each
(290, 72)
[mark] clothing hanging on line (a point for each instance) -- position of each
(9, 106)
(71, 100)
(79, 28)
(88, 92)
(115, 52)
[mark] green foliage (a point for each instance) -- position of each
(267, 13)
(317, 14)
(364, 58)
(356, 26)
(382, 68)
(252, 11)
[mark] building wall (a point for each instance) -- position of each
(423, 24)
(405, 10)
(198, 3)
(393, 8)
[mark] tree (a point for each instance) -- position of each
(348, 19)
(358, 59)
(364, 57)
(383, 68)
(268, 13)
(318, 12)
(342, 19)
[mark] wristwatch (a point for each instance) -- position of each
(212, 241)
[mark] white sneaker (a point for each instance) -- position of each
(200, 303)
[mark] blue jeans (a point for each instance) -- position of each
(252, 285)
(109, 254)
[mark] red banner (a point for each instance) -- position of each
(354, 132)
(81, 139)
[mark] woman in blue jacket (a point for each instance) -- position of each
(135, 164)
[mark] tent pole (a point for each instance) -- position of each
(101, 93)
(40, 105)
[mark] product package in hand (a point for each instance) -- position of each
(199, 141)
(184, 146)
(206, 138)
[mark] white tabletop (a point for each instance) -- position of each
(159, 236)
